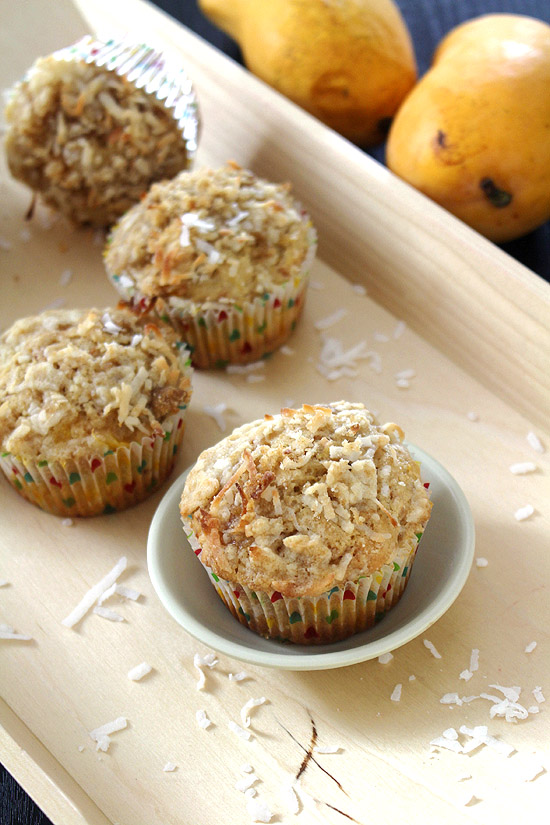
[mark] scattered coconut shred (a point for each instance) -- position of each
(431, 648)
(95, 593)
(8, 632)
(216, 412)
(139, 671)
(247, 707)
(203, 661)
(102, 735)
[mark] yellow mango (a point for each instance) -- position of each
(348, 62)
(474, 134)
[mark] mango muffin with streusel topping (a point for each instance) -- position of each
(223, 255)
(92, 408)
(308, 521)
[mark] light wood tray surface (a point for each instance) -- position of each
(476, 336)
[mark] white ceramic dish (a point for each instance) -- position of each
(440, 571)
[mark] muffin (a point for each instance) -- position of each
(222, 254)
(92, 407)
(91, 126)
(308, 521)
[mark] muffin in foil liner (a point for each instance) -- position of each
(92, 125)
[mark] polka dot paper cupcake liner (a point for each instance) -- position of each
(219, 333)
(334, 615)
(102, 483)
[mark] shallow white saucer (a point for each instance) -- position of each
(441, 568)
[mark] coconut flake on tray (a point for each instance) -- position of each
(481, 561)
(216, 412)
(209, 660)
(202, 719)
(530, 647)
(170, 767)
(258, 810)
(137, 673)
(247, 707)
(431, 647)
(336, 362)
(396, 693)
(241, 732)
(384, 658)
(523, 467)
(523, 513)
(107, 613)
(95, 593)
(8, 632)
(534, 441)
(238, 677)
(102, 734)
(330, 320)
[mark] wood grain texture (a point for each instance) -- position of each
(476, 336)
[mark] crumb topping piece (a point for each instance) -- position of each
(212, 234)
(89, 140)
(306, 499)
(74, 379)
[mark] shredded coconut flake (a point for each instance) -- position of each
(396, 693)
(259, 811)
(244, 369)
(67, 522)
(244, 734)
(94, 594)
(101, 735)
(8, 632)
(385, 658)
(522, 468)
(289, 798)
(535, 442)
(530, 647)
(246, 782)
(286, 350)
(525, 512)
(328, 749)
(399, 329)
(466, 675)
(451, 699)
(359, 289)
(481, 561)
(538, 694)
(237, 677)
(203, 661)
(330, 320)
(247, 707)
(216, 412)
(139, 671)
(107, 613)
(432, 649)
(202, 719)
(169, 767)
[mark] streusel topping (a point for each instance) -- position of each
(306, 499)
(71, 380)
(211, 235)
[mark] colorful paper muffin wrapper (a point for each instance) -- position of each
(147, 69)
(104, 483)
(334, 615)
(220, 333)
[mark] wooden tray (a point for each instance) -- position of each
(476, 335)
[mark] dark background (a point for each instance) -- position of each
(428, 21)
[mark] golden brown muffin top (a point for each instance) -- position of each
(72, 381)
(305, 500)
(211, 235)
